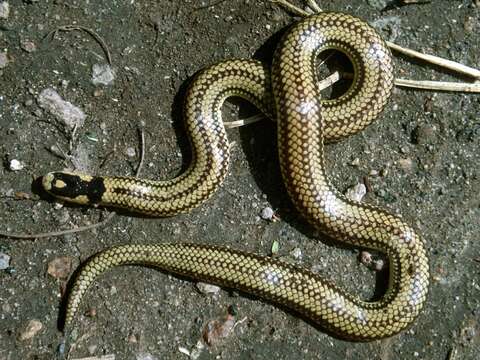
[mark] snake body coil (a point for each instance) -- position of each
(304, 122)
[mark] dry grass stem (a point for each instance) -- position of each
(439, 85)
(448, 64)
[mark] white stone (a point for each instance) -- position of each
(3, 60)
(356, 192)
(4, 10)
(102, 74)
(16, 165)
(4, 261)
(64, 111)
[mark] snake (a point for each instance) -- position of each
(286, 91)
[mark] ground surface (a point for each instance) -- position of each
(425, 148)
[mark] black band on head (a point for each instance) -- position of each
(74, 186)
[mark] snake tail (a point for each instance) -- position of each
(304, 122)
(276, 281)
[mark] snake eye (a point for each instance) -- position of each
(76, 188)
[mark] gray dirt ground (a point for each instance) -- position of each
(426, 147)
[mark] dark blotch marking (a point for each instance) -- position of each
(75, 186)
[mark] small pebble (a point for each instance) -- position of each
(60, 267)
(4, 10)
(356, 192)
(405, 164)
(378, 265)
(58, 206)
(130, 152)
(16, 165)
(63, 110)
(98, 92)
(20, 195)
(102, 74)
(197, 349)
(92, 349)
(184, 350)
(267, 213)
(208, 289)
(216, 330)
(32, 328)
(144, 356)
(365, 258)
(4, 261)
(355, 162)
(61, 349)
(3, 60)
(6, 308)
(275, 247)
(424, 134)
(28, 46)
(469, 25)
(404, 150)
(91, 312)
(132, 339)
(296, 253)
(378, 4)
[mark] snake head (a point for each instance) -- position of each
(75, 188)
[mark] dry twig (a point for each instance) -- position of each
(58, 233)
(90, 32)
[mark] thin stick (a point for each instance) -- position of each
(92, 33)
(314, 6)
(81, 228)
(142, 151)
(291, 7)
(448, 64)
(104, 357)
(243, 122)
(209, 5)
(439, 85)
(330, 80)
(58, 233)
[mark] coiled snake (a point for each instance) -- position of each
(287, 92)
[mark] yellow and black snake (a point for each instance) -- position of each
(287, 91)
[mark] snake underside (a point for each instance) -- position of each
(287, 92)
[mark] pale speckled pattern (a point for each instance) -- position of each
(301, 128)
(250, 80)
